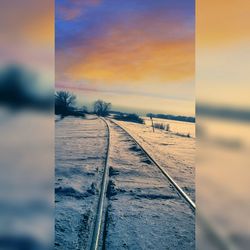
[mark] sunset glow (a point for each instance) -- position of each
(105, 49)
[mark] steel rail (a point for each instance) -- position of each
(100, 207)
(175, 185)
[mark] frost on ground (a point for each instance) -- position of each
(144, 211)
(177, 127)
(80, 154)
(173, 152)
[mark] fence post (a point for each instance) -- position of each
(152, 122)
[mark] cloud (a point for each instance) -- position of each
(129, 53)
(146, 48)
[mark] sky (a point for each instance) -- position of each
(27, 37)
(138, 55)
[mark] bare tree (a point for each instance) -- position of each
(64, 102)
(102, 108)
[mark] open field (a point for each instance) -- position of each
(175, 126)
(141, 209)
(80, 153)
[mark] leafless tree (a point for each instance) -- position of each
(102, 108)
(64, 101)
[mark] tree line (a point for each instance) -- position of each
(65, 105)
(172, 117)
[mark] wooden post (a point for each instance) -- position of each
(152, 123)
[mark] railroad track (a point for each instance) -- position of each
(95, 242)
(164, 172)
(99, 219)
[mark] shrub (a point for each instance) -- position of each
(162, 126)
(183, 135)
(129, 118)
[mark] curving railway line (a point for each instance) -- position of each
(101, 202)
(107, 208)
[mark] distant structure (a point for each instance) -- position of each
(152, 122)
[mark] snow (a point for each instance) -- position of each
(175, 126)
(80, 154)
(176, 154)
(144, 210)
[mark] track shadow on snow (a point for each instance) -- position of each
(71, 192)
(113, 171)
(135, 148)
(112, 190)
(138, 150)
(155, 196)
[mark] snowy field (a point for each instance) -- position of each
(180, 127)
(143, 211)
(80, 154)
(175, 153)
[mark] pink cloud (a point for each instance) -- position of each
(76, 87)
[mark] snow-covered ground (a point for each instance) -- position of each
(144, 210)
(175, 153)
(174, 126)
(80, 154)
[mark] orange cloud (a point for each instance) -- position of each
(134, 55)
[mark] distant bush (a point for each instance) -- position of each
(77, 113)
(159, 126)
(72, 112)
(129, 118)
(172, 117)
(162, 126)
(183, 135)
